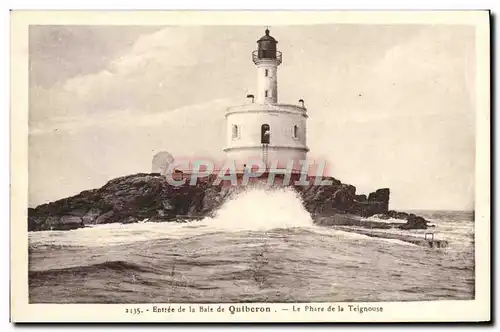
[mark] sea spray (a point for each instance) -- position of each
(253, 208)
(262, 209)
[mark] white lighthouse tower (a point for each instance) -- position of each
(265, 130)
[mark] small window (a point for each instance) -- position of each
(295, 131)
(267, 72)
(266, 93)
(265, 134)
(236, 132)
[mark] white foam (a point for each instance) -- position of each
(110, 234)
(390, 220)
(262, 209)
(253, 209)
(353, 235)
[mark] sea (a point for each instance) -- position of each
(260, 246)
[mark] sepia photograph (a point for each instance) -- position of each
(230, 166)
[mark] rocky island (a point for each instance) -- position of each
(148, 196)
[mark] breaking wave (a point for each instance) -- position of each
(262, 209)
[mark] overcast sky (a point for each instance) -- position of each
(389, 106)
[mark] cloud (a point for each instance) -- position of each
(58, 52)
(161, 71)
(196, 115)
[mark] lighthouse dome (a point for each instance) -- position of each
(267, 38)
(267, 47)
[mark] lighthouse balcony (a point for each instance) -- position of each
(268, 108)
(263, 55)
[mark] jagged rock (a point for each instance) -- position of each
(397, 215)
(130, 220)
(361, 198)
(381, 195)
(69, 222)
(149, 196)
(54, 223)
(35, 222)
(90, 217)
(167, 205)
(414, 222)
(103, 218)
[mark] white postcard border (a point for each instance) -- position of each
(427, 311)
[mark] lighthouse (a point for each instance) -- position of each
(263, 129)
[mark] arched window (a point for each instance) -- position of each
(266, 93)
(236, 132)
(266, 72)
(295, 131)
(265, 134)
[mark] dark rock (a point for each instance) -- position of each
(103, 218)
(414, 222)
(391, 214)
(90, 217)
(69, 222)
(143, 196)
(130, 220)
(397, 215)
(361, 198)
(35, 223)
(381, 195)
(59, 223)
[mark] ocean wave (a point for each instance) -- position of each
(115, 266)
(251, 210)
(375, 218)
(353, 235)
(456, 217)
(262, 209)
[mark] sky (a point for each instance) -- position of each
(389, 105)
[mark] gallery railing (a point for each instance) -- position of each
(258, 56)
